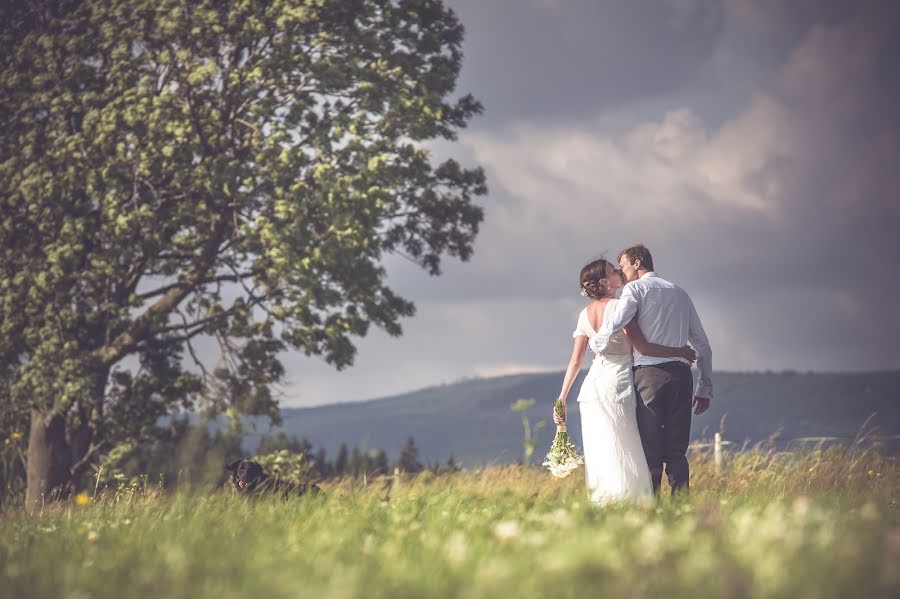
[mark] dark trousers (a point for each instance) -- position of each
(664, 396)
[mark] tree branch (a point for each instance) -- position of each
(141, 327)
(233, 278)
(75, 469)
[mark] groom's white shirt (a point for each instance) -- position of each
(666, 316)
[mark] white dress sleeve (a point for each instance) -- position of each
(583, 328)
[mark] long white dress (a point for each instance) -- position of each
(615, 466)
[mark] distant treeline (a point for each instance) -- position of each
(186, 453)
(355, 462)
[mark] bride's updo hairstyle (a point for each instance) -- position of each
(590, 278)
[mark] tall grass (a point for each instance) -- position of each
(768, 524)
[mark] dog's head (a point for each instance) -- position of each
(245, 474)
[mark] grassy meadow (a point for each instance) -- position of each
(817, 524)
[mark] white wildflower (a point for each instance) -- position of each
(507, 530)
(457, 549)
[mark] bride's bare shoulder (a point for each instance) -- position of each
(595, 312)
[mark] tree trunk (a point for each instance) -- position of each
(49, 457)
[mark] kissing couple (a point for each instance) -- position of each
(637, 397)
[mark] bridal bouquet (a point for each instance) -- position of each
(563, 457)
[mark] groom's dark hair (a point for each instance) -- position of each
(638, 252)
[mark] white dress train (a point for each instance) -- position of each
(614, 462)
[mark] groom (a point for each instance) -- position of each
(666, 315)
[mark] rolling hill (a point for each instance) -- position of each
(471, 419)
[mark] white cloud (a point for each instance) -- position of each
(768, 162)
(658, 172)
(507, 368)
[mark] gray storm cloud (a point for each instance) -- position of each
(572, 59)
(753, 145)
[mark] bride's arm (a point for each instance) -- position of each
(654, 350)
(572, 370)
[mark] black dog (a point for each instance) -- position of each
(248, 477)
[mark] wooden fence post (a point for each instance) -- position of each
(717, 451)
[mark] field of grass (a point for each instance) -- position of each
(818, 524)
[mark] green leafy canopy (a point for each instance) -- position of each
(235, 170)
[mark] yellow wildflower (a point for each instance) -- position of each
(8, 441)
(17, 436)
(82, 499)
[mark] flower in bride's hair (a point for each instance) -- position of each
(584, 292)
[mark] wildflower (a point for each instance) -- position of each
(801, 506)
(869, 512)
(8, 441)
(17, 436)
(871, 473)
(563, 457)
(507, 530)
(457, 549)
(82, 499)
(651, 539)
(560, 518)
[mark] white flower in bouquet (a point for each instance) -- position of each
(563, 457)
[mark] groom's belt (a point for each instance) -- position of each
(672, 365)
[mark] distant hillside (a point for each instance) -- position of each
(472, 420)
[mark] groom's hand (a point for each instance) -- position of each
(701, 404)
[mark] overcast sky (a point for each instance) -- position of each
(752, 145)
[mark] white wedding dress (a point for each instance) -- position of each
(614, 462)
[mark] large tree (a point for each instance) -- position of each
(173, 170)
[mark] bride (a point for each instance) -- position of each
(615, 467)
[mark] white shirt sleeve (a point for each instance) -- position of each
(698, 339)
(623, 311)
